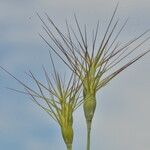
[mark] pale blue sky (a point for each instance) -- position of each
(122, 117)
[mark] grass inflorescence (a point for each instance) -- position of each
(58, 98)
(95, 67)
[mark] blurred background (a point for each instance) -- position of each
(122, 118)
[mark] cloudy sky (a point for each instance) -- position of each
(122, 117)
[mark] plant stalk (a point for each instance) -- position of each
(88, 135)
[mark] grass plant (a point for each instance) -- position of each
(95, 67)
(92, 66)
(58, 98)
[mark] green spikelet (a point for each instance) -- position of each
(66, 120)
(89, 95)
(89, 106)
(67, 133)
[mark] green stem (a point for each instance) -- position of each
(69, 146)
(88, 135)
